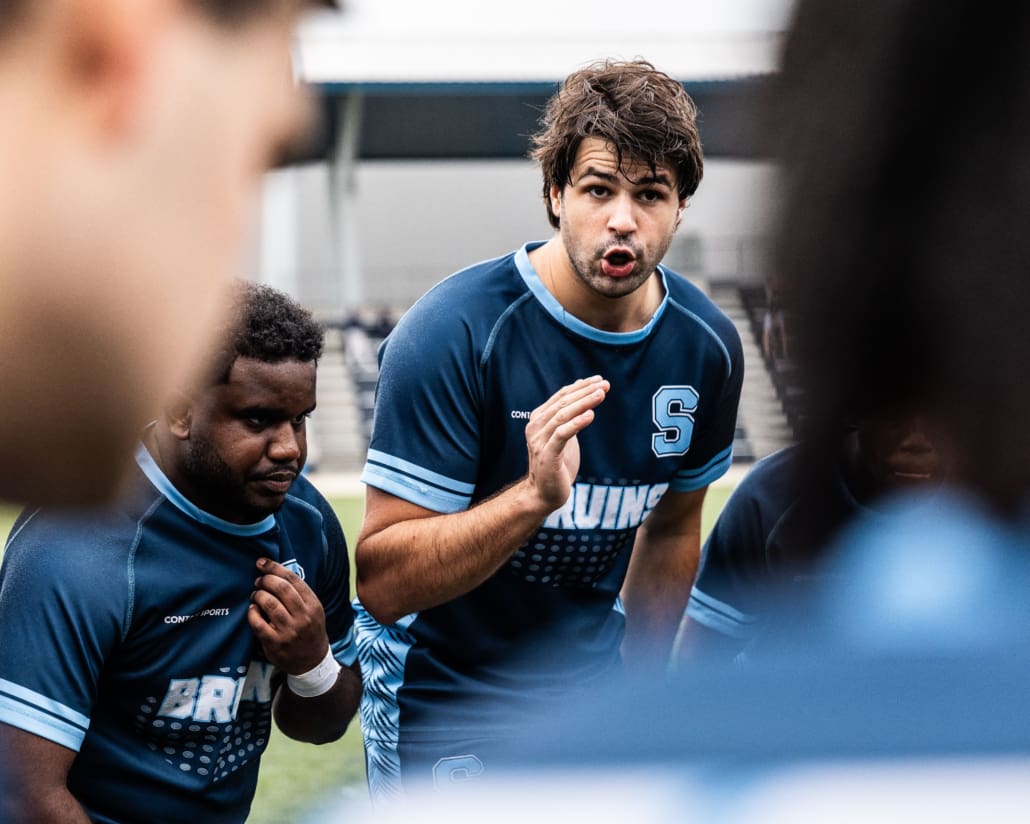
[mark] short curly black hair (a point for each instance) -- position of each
(268, 325)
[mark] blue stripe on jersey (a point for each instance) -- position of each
(415, 484)
(182, 503)
(345, 650)
(499, 325)
(721, 617)
(687, 480)
(704, 325)
(382, 652)
(20, 524)
(557, 311)
(42, 716)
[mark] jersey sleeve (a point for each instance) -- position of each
(334, 590)
(711, 450)
(733, 569)
(62, 612)
(425, 436)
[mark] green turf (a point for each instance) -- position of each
(296, 777)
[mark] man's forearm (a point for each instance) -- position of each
(421, 562)
(666, 555)
(323, 718)
(654, 601)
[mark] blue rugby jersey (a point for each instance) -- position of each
(125, 638)
(459, 376)
(767, 544)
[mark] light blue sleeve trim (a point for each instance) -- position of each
(42, 716)
(345, 650)
(414, 490)
(421, 473)
(185, 505)
(718, 616)
(690, 479)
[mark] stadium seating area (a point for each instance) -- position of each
(776, 358)
(769, 412)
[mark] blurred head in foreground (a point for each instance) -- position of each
(902, 251)
(133, 137)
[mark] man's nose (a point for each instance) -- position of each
(286, 442)
(622, 218)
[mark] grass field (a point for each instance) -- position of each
(297, 777)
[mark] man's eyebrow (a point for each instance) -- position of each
(273, 412)
(590, 171)
(258, 409)
(659, 179)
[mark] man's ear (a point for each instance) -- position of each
(555, 198)
(178, 414)
(110, 49)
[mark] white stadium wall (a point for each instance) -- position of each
(416, 222)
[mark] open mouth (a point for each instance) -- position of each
(618, 262)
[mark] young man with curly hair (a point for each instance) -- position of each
(147, 648)
(546, 426)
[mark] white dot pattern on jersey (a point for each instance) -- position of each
(221, 751)
(561, 558)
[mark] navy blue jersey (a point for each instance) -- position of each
(459, 377)
(767, 541)
(125, 638)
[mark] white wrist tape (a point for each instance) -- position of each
(315, 681)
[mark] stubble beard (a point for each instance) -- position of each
(588, 271)
(216, 482)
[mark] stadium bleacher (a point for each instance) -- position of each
(767, 421)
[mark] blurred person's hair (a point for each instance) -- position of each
(643, 114)
(266, 325)
(902, 249)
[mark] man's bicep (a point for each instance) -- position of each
(35, 758)
(677, 513)
(34, 778)
(384, 509)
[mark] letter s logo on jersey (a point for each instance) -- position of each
(672, 412)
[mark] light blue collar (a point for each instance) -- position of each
(557, 311)
(153, 472)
